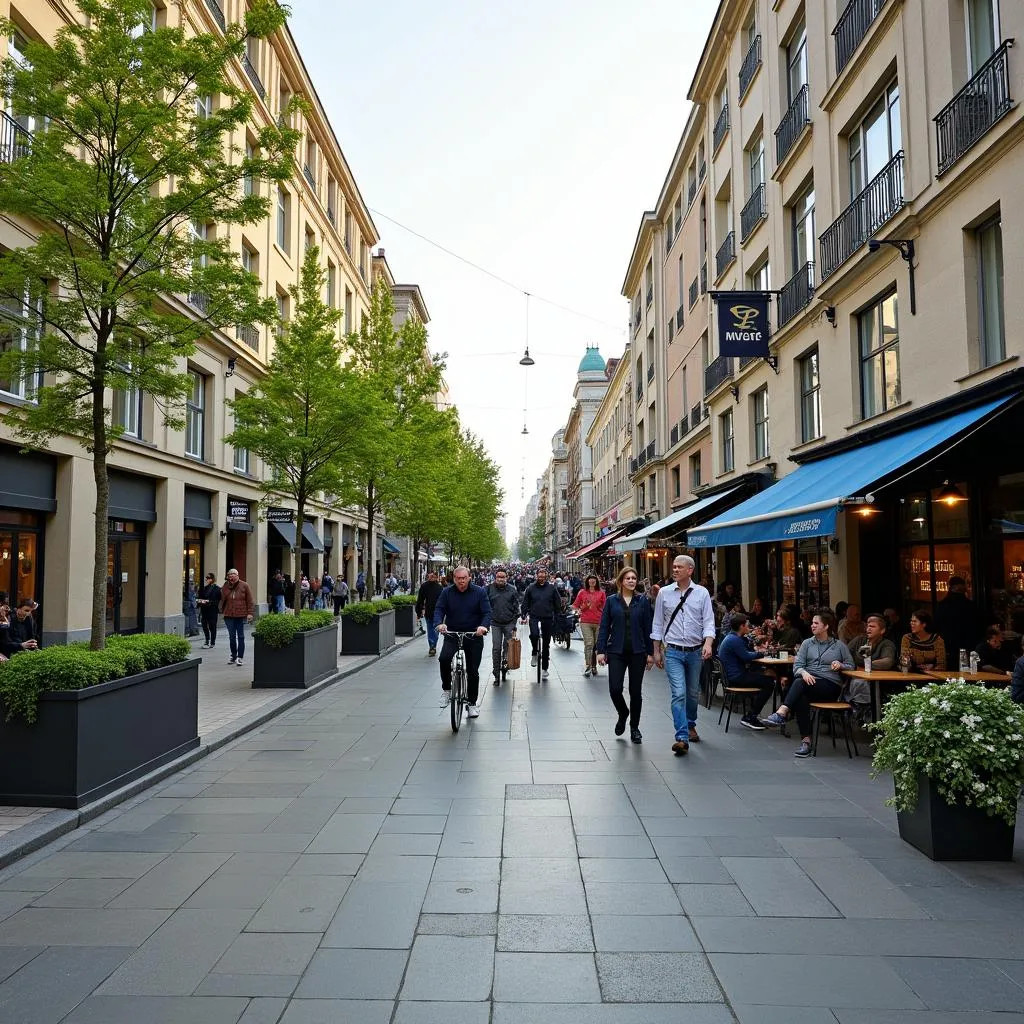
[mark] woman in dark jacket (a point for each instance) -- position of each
(209, 609)
(624, 644)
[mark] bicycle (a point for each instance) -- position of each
(460, 679)
(503, 667)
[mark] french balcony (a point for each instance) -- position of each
(696, 415)
(673, 436)
(308, 174)
(684, 424)
(15, 141)
(755, 211)
(880, 200)
(679, 318)
(983, 101)
(704, 278)
(702, 174)
(694, 292)
(248, 335)
(332, 216)
(691, 194)
(639, 390)
(796, 293)
(218, 14)
(792, 125)
(718, 372)
(725, 255)
(633, 467)
(641, 459)
(650, 294)
(250, 70)
(652, 450)
(200, 301)
(650, 373)
(721, 128)
(751, 62)
(852, 27)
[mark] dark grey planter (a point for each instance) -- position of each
(405, 620)
(375, 637)
(87, 743)
(310, 657)
(945, 831)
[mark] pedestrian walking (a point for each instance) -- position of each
(276, 592)
(504, 601)
(340, 595)
(190, 610)
(624, 644)
(426, 602)
(361, 584)
(589, 603)
(236, 605)
(541, 603)
(209, 610)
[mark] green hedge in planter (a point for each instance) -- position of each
(400, 599)
(363, 611)
(74, 667)
(280, 630)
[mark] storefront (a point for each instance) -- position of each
(132, 508)
(789, 572)
(198, 523)
(282, 540)
(239, 529)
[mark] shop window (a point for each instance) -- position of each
(879, 339)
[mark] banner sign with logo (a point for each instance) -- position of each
(238, 510)
(280, 515)
(743, 328)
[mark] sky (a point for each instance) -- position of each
(528, 139)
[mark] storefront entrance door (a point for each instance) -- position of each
(18, 565)
(125, 557)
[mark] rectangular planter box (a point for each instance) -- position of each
(87, 743)
(945, 832)
(310, 657)
(377, 636)
(405, 620)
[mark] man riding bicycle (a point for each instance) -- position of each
(504, 600)
(462, 608)
(541, 603)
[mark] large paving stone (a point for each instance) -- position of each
(353, 974)
(657, 978)
(449, 968)
(545, 978)
(569, 933)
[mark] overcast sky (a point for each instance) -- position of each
(528, 139)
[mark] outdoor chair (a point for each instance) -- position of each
(835, 710)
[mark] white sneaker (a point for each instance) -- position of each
(231, 661)
(446, 698)
(472, 711)
(238, 661)
(533, 661)
(206, 647)
(544, 674)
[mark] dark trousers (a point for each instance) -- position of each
(209, 623)
(540, 631)
(236, 635)
(340, 601)
(799, 697)
(474, 648)
(766, 687)
(618, 666)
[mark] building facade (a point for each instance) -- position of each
(590, 388)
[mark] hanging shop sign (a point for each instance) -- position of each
(238, 511)
(280, 515)
(743, 328)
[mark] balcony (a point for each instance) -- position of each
(200, 301)
(679, 318)
(725, 255)
(650, 294)
(639, 390)
(684, 425)
(751, 62)
(332, 216)
(641, 459)
(704, 277)
(717, 372)
(881, 199)
(796, 293)
(652, 450)
(702, 173)
(254, 77)
(793, 123)
(691, 194)
(218, 14)
(721, 128)
(15, 141)
(650, 373)
(673, 436)
(852, 27)
(696, 415)
(308, 174)
(633, 467)
(974, 109)
(755, 211)
(694, 292)
(637, 320)
(249, 335)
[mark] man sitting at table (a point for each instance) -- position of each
(875, 644)
(994, 655)
(736, 656)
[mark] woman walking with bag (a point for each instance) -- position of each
(624, 644)
(590, 604)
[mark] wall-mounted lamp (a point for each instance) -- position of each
(223, 534)
(830, 315)
(734, 390)
(833, 545)
(231, 366)
(772, 467)
(906, 249)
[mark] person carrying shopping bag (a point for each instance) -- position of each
(590, 603)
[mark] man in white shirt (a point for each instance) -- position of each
(683, 637)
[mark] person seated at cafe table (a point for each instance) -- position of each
(873, 643)
(851, 625)
(736, 655)
(817, 676)
(922, 645)
(994, 655)
(787, 633)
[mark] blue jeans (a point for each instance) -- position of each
(279, 603)
(236, 635)
(683, 671)
(431, 634)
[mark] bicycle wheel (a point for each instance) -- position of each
(458, 693)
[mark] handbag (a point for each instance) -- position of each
(515, 651)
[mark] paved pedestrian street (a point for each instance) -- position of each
(353, 861)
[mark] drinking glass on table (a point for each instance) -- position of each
(905, 664)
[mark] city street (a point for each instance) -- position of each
(353, 861)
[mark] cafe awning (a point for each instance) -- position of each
(310, 538)
(807, 501)
(389, 548)
(597, 545)
(678, 520)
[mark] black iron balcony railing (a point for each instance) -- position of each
(200, 300)
(691, 193)
(704, 277)
(650, 373)
(755, 211)
(684, 424)
(650, 294)
(249, 335)
(15, 141)
(694, 291)
(725, 255)
(632, 466)
(679, 317)
(652, 450)
(721, 127)
(639, 390)
(751, 62)
(637, 319)
(641, 459)
(673, 436)
(702, 173)
(796, 293)
(718, 371)
(332, 216)
(696, 415)
(974, 109)
(794, 121)
(852, 27)
(308, 174)
(254, 77)
(218, 14)
(880, 200)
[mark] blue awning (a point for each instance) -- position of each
(806, 503)
(691, 513)
(389, 548)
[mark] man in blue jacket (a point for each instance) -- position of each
(736, 657)
(462, 608)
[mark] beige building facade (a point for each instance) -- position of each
(183, 502)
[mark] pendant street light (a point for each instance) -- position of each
(527, 360)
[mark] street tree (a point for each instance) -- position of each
(306, 413)
(473, 503)
(130, 172)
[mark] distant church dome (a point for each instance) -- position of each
(591, 361)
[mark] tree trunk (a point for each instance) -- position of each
(414, 581)
(300, 520)
(98, 625)
(371, 545)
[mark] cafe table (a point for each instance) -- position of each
(878, 676)
(998, 678)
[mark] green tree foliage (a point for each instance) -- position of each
(307, 413)
(473, 500)
(531, 547)
(136, 148)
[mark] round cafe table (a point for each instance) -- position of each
(876, 678)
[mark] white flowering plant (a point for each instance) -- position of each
(967, 739)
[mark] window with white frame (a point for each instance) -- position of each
(982, 31)
(760, 278)
(875, 141)
(695, 471)
(16, 44)
(204, 106)
(991, 325)
(348, 325)
(282, 312)
(250, 260)
(796, 61)
(248, 182)
(803, 228)
(727, 434)
(879, 339)
(759, 416)
(810, 397)
(195, 416)
(127, 407)
(242, 460)
(15, 333)
(755, 163)
(332, 285)
(677, 486)
(283, 211)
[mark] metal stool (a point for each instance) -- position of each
(744, 694)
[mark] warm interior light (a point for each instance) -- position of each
(950, 494)
(867, 510)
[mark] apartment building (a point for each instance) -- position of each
(182, 502)
(591, 385)
(861, 161)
